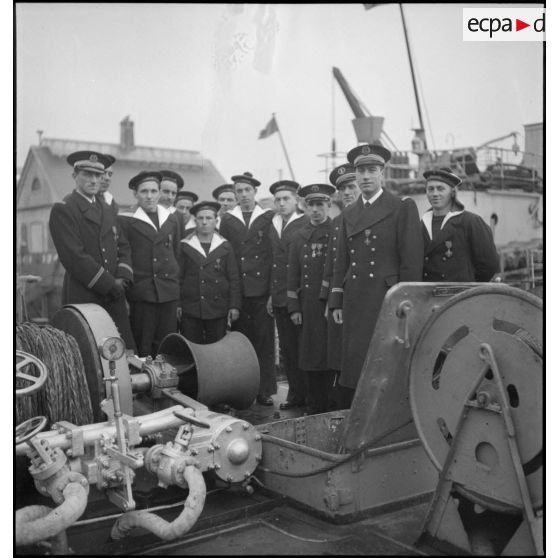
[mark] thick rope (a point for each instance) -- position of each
(65, 395)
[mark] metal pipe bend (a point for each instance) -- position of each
(166, 530)
(39, 523)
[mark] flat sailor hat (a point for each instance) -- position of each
(289, 185)
(213, 205)
(144, 176)
(187, 195)
(316, 192)
(223, 188)
(247, 178)
(341, 174)
(174, 176)
(368, 155)
(444, 174)
(89, 160)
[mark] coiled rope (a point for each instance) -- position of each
(65, 395)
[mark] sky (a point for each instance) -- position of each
(208, 77)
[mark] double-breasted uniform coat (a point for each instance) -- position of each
(209, 283)
(94, 254)
(334, 330)
(463, 250)
(378, 246)
(307, 257)
(281, 238)
(154, 294)
(252, 248)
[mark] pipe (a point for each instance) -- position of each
(39, 523)
(148, 424)
(166, 530)
(58, 543)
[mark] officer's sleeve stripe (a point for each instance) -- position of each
(95, 278)
(126, 266)
(325, 283)
(291, 294)
(336, 290)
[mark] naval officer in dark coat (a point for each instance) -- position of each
(286, 222)
(246, 227)
(380, 244)
(210, 291)
(458, 244)
(307, 255)
(87, 237)
(343, 178)
(154, 236)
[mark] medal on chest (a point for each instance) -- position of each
(217, 266)
(448, 253)
(115, 234)
(317, 249)
(367, 234)
(260, 237)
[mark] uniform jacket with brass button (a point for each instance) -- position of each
(377, 248)
(252, 248)
(209, 285)
(154, 255)
(463, 250)
(334, 330)
(280, 243)
(90, 247)
(307, 255)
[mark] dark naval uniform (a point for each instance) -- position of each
(209, 288)
(252, 249)
(307, 256)
(94, 253)
(108, 198)
(281, 238)
(154, 295)
(334, 331)
(377, 247)
(462, 249)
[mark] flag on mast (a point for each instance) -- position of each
(270, 128)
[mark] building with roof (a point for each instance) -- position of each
(46, 178)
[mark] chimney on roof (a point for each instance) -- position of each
(127, 134)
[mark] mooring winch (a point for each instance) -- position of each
(107, 454)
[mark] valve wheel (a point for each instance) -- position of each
(26, 364)
(444, 367)
(27, 429)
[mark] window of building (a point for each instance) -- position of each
(23, 239)
(35, 239)
(35, 185)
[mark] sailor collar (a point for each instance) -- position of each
(162, 214)
(258, 210)
(193, 241)
(277, 220)
(427, 219)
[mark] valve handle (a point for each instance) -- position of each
(24, 365)
(27, 429)
(191, 419)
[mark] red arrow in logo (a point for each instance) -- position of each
(519, 25)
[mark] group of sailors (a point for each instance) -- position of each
(205, 266)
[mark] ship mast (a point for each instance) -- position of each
(420, 131)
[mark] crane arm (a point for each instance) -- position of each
(354, 103)
(487, 143)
